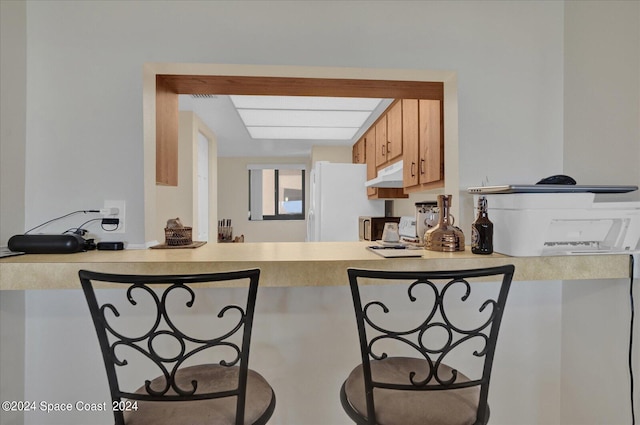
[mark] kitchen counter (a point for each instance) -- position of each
(287, 264)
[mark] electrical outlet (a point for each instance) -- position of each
(112, 206)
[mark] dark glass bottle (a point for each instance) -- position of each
(482, 230)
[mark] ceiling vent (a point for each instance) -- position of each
(204, 96)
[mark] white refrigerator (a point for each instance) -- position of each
(337, 197)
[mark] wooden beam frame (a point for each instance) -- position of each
(166, 134)
(169, 86)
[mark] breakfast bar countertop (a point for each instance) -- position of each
(288, 264)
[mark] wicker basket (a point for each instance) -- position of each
(178, 236)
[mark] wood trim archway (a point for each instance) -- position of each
(168, 87)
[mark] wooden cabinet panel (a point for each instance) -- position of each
(431, 153)
(389, 135)
(410, 141)
(359, 156)
(394, 132)
(416, 126)
(166, 135)
(370, 155)
(423, 144)
(370, 139)
(381, 141)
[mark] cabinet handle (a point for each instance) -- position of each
(388, 148)
(413, 173)
(384, 150)
(422, 166)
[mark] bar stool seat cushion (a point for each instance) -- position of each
(412, 407)
(220, 411)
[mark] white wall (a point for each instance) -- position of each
(13, 85)
(501, 137)
(12, 352)
(84, 118)
(332, 154)
(602, 82)
(602, 145)
(233, 202)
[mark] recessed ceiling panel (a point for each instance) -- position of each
(301, 118)
(303, 133)
(305, 102)
(223, 117)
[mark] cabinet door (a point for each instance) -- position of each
(410, 142)
(394, 132)
(431, 168)
(381, 141)
(359, 152)
(370, 156)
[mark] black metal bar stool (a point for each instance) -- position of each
(406, 376)
(190, 387)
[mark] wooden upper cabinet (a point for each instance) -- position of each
(354, 153)
(416, 125)
(389, 135)
(370, 145)
(423, 141)
(410, 140)
(359, 156)
(370, 155)
(381, 141)
(431, 141)
(394, 132)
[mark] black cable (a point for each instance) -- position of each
(631, 267)
(76, 230)
(61, 217)
(79, 230)
(87, 222)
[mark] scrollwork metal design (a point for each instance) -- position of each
(164, 326)
(455, 336)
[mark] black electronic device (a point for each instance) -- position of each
(48, 244)
(110, 246)
(558, 179)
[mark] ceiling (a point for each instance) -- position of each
(220, 114)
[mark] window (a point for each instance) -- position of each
(276, 192)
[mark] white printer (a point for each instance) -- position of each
(534, 224)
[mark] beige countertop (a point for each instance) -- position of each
(287, 264)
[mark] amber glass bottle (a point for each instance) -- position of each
(482, 230)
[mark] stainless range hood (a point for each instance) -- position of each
(390, 176)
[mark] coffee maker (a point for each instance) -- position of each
(426, 217)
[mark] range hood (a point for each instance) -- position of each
(390, 176)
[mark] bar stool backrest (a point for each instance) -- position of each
(455, 318)
(165, 343)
